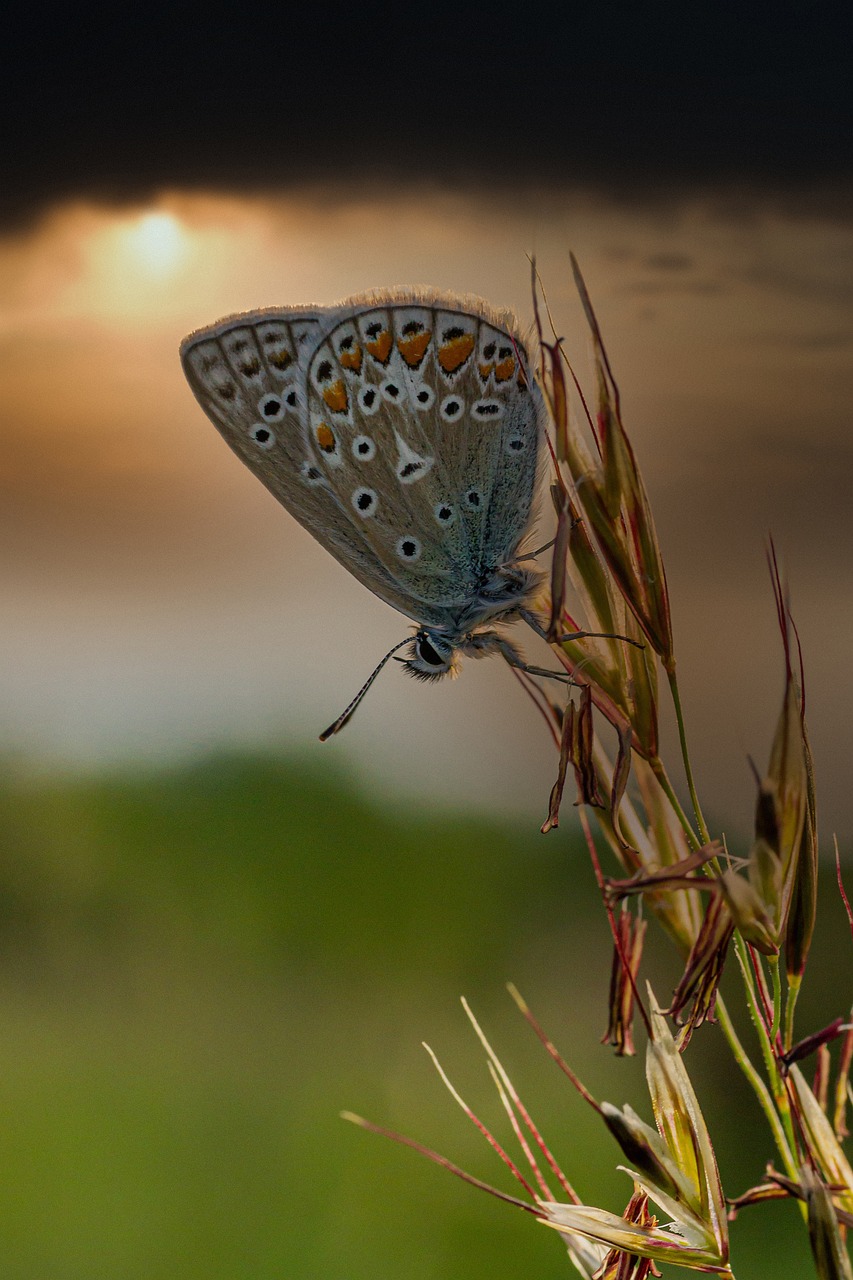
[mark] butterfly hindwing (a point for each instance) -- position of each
(378, 443)
(428, 425)
(495, 401)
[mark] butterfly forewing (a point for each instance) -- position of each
(245, 373)
(248, 374)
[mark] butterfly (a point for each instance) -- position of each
(405, 432)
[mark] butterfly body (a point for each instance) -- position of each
(404, 431)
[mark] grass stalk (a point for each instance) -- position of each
(685, 754)
(779, 1093)
(659, 770)
(759, 1088)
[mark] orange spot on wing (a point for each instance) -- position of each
(505, 369)
(413, 347)
(380, 346)
(325, 437)
(485, 370)
(351, 358)
(280, 359)
(455, 352)
(336, 397)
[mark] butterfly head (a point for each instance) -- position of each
(431, 656)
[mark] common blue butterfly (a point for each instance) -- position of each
(404, 431)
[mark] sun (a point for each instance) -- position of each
(157, 242)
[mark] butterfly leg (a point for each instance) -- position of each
(536, 625)
(543, 672)
(531, 555)
(483, 643)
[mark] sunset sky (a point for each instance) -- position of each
(177, 165)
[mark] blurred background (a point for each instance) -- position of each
(215, 932)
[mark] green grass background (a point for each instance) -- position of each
(200, 967)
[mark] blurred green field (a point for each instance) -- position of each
(199, 968)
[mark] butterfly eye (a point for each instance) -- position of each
(451, 408)
(270, 408)
(369, 400)
(428, 653)
(365, 501)
(444, 514)
(408, 548)
(424, 398)
(262, 436)
(363, 448)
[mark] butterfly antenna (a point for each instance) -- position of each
(345, 717)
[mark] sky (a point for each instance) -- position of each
(633, 100)
(167, 166)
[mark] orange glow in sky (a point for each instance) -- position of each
(174, 603)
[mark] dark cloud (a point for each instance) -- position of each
(117, 101)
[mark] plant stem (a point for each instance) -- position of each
(773, 961)
(780, 1096)
(659, 770)
(759, 1088)
(685, 755)
(794, 983)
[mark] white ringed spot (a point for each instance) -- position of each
(392, 391)
(369, 399)
(363, 449)
(451, 408)
(408, 548)
(365, 502)
(487, 410)
(262, 435)
(423, 397)
(271, 408)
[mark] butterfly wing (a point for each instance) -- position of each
(403, 433)
(428, 423)
(502, 414)
(248, 374)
